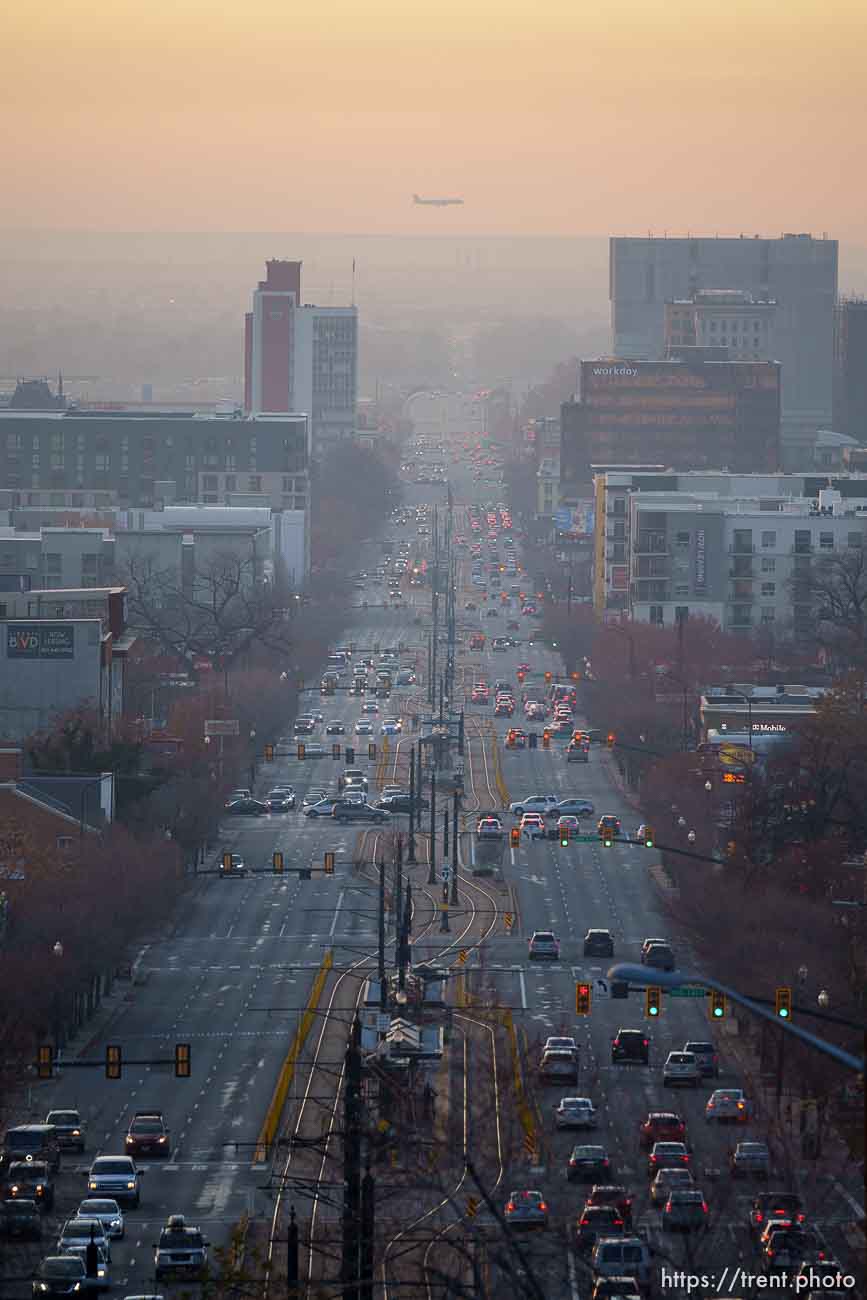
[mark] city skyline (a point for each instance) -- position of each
(629, 119)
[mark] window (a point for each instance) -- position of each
(768, 565)
(681, 539)
(803, 541)
(769, 540)
(853, 541)
(656, 615)
(230, 483)
(209, 482)
(102, 462)
(88, 564)
(255, 483)
(65, 843)
(681, 589)
(53, 562)
(826, 541)
(768, 614)
(13, 442)
(769, 589)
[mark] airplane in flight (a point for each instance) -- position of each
(435, 203)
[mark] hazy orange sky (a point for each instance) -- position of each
(557, 117)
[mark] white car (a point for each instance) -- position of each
(363, 728)
(575, 1112)
(107, 1211)
(533, 826)
(561, 1044)
(535, 803)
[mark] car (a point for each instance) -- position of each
(533, 826)
(566, 828)
(587, 1163)
(78, 1232)
(659, 956)
(32, 1142)
(180, 1251)
(575, 1112)
(667, 1155)
(304, 727)
(107, 1211)
(504, 708)
(399, 802)
(534, 803)
(148, 1135)
(661, 1126)
(685, 1211)
(490, 828)
(513, 625)
(706, 1057)
(574, 807)
(242, 792)
(612, 1288)
(516, 739)
(649, 943)
(750, 1159)
(353, 796)
(559, 1067)
(526, 1209)
(370, 707)
(614, 1195)
(59, 1275)
(666, 1180)
(117, 1177)
(100, 1279)
(594, 1222)
(618, 1256)
(406, 677)
(363, 727)
(246, 808)
(543, 946)
(324, 808)
(335, 727)
(493, 612)
(69, 1129)
(347, 810)
(278, 801)
(351, 776)
(577, 753)
(787, 1247)
(30, 1180)
(681, 1068)
(727, 1105)
(630, 1045)
(598, 943)
(316, 716)
(391, 727)
(20, 1219)
(236, 866)
(775, 1205)
(560, 1043)
(480, 695)
(608, 824)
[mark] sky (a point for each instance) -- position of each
(554, 117)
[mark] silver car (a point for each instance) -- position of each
(107, 1211)
(117, 1177)
(681, 1068)
(751, 1158)
(575, 1112)
(80, 1232)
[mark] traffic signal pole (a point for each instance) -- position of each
(410, 857)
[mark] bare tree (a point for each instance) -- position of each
(837, 586)
(223, 612)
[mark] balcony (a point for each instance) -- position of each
(743, 575)
(739, 548)
(655, 544)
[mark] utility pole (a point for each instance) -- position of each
(432, 875)
(368, 1231)
(404, 940)
(461, 734)
(455, 804)
(410, 857)
(398, 896)
(292, 1255)
(418, 789)
(350, 1269)
(445, 834)
(382, 998)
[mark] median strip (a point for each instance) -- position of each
(287, 1071)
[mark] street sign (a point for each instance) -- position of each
(735, 755)
(445, 871)
(222, 727)
(687, 991)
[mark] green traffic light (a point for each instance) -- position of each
(783, 1013)
(653, 1010)
(718, 1012)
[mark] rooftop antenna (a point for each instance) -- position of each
(353, 282)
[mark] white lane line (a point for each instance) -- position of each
(336, 914)
(523, 990)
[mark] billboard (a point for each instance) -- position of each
(576, 521)
(40, 641)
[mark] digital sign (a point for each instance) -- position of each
(40, 641)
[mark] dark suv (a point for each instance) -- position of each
(630, 1045)
(32, 1142)
(20, 1218)
(29, 1181)
(148, 1135)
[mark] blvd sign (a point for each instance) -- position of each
(687, 991)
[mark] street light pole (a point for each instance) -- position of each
(455, 803)
(410, 857)
(432, 875)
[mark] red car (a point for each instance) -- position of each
(661, 1126)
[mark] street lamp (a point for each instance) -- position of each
(691, 837)
(57, 951)
(681, 821)
(708, 785)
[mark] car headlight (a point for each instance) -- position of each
(131, 1187)
(100, 1272)
(76, 1133)
(92, 1186)
(14, 1189)
(42, 1286)
(162, 1139)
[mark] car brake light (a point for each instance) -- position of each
(759, 1216)
(583, 1223)
(704, 1207)
(510, 1207)
(542, 1205)
(645, 1042)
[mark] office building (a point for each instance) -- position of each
(798, 272)
(731, 322)
(625, 575)
(440, 415)
(684, 414)
(300, 357)
(850, 369)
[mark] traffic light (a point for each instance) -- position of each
(300, 749)
(716, 1005)
(652, 1001)
(350, 756)
(564, 837)
(269, 753)
(45, 1061)
(576, 677)
(371, 750)
(182, 1061)
(607, 838)
(648, 837)
(521, 677)
(546, 739)
(227, 863)
(335, 750)
(611, 739)
(329, 864)
(515, 837)
(113, 1061)
(783, 1003)
(277, 862)
(583, 999)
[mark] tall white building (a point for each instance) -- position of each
(301, 358)
(797, 271)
